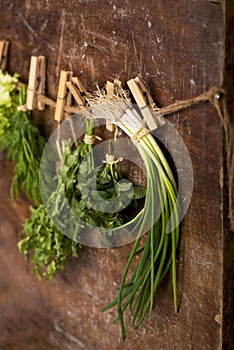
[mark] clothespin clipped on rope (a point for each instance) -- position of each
(4, 46)
(78, 91)
(76, 81)
(63, 96)
(36, 83)
(110, 90)
(144, 101)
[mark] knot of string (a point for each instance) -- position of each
(110, 159)
(143, 131)
(22, 108)
(90, 139)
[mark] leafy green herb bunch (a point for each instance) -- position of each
(22, 141)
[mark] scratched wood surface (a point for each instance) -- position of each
(177, 49)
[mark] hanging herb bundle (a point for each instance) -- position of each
(41, 242)
(90, 190)
(22, 141)
(86, 186)
(160, 218)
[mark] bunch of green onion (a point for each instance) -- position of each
(159, 218)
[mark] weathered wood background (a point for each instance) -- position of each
(178, 49)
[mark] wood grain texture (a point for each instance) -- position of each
(177, 49)
(228, 278)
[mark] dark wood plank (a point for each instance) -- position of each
(177, 49)
(228, 278)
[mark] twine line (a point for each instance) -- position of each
(214, 95)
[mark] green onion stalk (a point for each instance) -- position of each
(158, 253)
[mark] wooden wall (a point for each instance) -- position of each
(178, 49)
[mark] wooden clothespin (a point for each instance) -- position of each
(4, 46)
(78, 92)
(146, 93)
(41, 82)
(36, 83)
(63, 96)
(110, 90)
(80, 86)
(144, 101)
